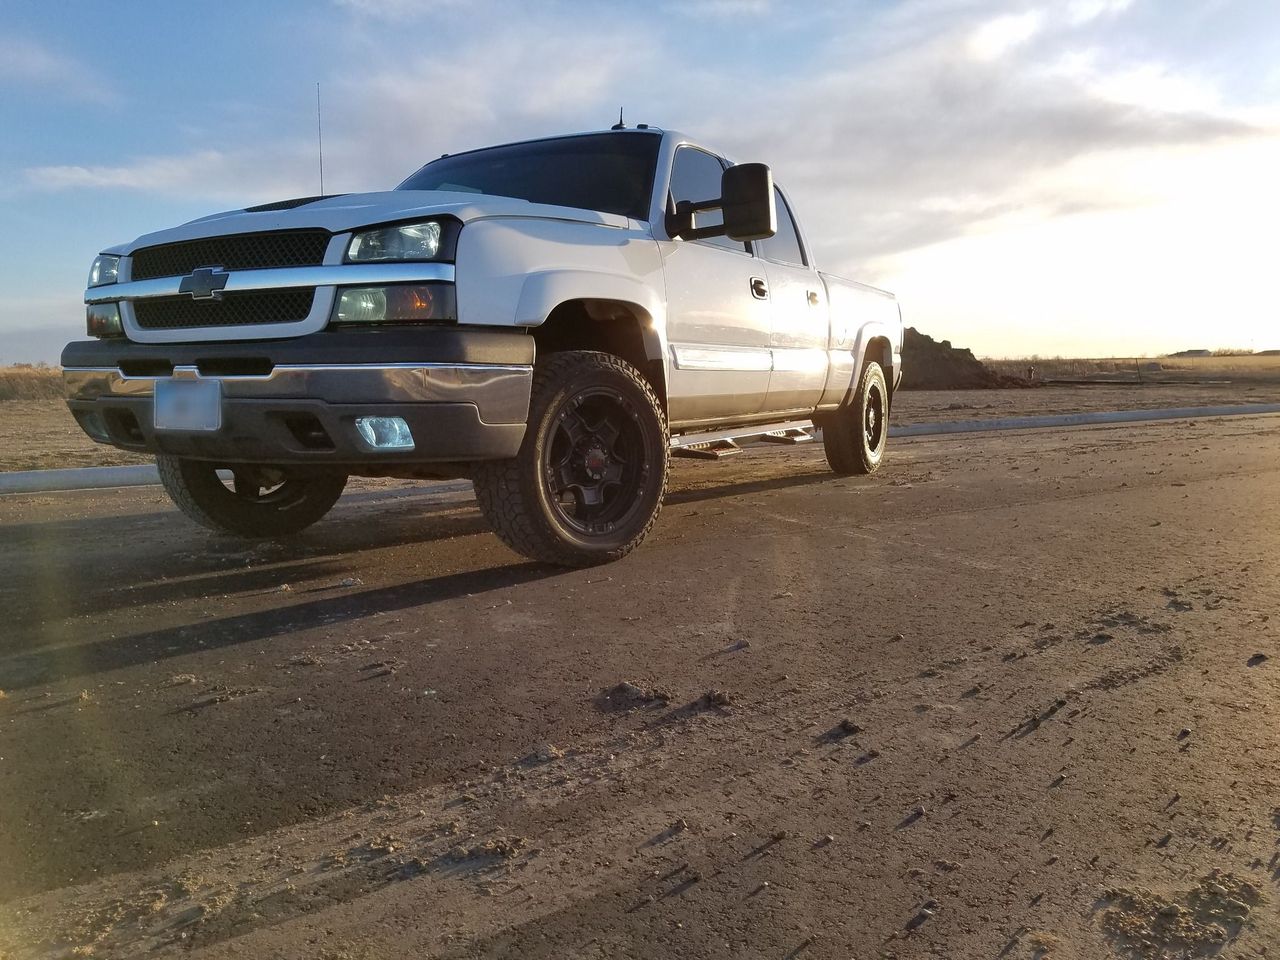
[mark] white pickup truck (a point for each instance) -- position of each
(553, 319)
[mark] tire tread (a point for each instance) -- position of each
(246, 520)
(501, 485)
(842, 439)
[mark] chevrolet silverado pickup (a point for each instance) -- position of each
(552, 319)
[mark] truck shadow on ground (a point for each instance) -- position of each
(170, 560)
(164, 566)
(63, 662)
(720, 491)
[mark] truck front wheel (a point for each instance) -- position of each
(587, 484)
(260, 502)
(854, 436)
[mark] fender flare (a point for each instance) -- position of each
(545, 290)
(871, 331)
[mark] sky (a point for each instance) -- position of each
(1065, 178)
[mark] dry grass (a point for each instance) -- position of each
(1258, 368)
(42, 435)
(27, 382)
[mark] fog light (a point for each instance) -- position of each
(364, 305)
(402, 303)
(385, 433)
(103, 320)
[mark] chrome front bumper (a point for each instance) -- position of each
(463, 391)
(499, 393)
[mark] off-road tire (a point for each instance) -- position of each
(851, 446)
(299, 502)
(518, 496)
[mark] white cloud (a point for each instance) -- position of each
(244, 175)
(155, 173)
(27, 63)
(723, 8)
(1080, 12)
(396, 9)
(428, 104)
(381, 125)
(1158, 87)
(922, 143)
(1146, 84)
(1001, 35)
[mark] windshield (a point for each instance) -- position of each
(608, 172)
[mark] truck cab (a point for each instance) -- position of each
(553, 319)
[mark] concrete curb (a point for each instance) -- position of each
(145, 475)
(80, 478)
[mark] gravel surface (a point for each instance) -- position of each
(1014, 696)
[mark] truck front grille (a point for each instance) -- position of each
(233, 309)
(245, 251)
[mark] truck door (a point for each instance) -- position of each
(718, 319)
(800, 324)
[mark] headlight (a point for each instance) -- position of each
(412, 241)
(105, 270)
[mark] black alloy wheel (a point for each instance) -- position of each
(587, 484)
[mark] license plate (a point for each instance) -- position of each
(188, 405)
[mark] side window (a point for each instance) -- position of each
(783, 246)
(695, 176)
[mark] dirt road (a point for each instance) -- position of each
(1017, 695)
(42, 435)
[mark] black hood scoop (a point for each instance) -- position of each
(289, 204)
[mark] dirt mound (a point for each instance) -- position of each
(931, 365)
(1199, 921)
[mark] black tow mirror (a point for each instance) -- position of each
(746, 203)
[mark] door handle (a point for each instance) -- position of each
(813, 298)
(759, 289)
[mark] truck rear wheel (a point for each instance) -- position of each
(587, 484)
(261, 502)
(854, 436)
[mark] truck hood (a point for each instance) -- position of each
(339, 214)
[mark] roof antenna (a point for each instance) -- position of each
(319, 138)
(619, 125)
